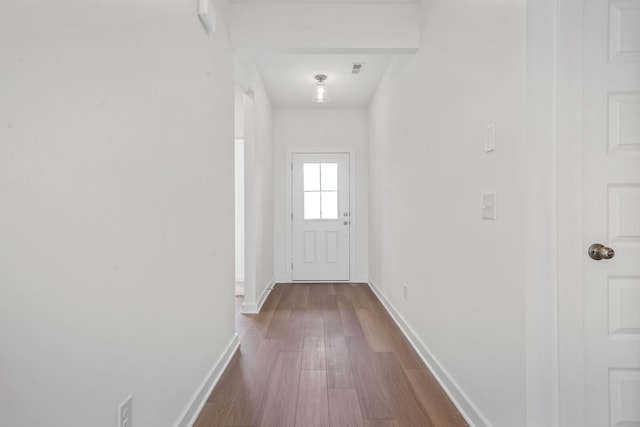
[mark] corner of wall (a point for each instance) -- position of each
(195, 405)
(254, 308)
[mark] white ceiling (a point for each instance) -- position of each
(326, 1)
(289, 78)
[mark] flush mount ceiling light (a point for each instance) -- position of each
(321, 90)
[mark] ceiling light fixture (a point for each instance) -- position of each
(321, 89)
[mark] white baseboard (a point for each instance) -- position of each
(466, 407)
(249, 308)
(191, 412)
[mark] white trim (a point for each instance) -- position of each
(467, 408)
(353, 208)
(255, 308)
(569, 213)
(540, 207)
(191, 412)
(239, 278)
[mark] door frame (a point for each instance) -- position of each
(571, 253)
(352, 204)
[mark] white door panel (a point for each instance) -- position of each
(611, 197)
(321, 218)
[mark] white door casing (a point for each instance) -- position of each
(320, 216)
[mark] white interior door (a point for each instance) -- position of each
(611, 197)
(321, 218)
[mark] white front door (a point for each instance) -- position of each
(611, 206)
(321, 218)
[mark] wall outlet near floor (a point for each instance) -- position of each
(405, 290)
(125, 413)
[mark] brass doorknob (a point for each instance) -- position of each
(598, 252)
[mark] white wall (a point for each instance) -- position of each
(238, 119)
(239, 207)
(465, 276)
(116, 164)
(297, 128)
(330, 25)
(238, 114)
(258, 181)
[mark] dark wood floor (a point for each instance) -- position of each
(325, 355)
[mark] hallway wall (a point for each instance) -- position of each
(116, 196)
(466, 296)
(319, 128)
(258, 181)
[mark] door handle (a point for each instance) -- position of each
(598, 251)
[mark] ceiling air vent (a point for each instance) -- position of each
(357, 67)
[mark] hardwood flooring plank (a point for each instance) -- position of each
(294, 337)
(213, 414)
(402, 348)
(249, 405)
(383, 335)
(434, 400)
(313, 354)
(331, 317)
(339, 373)
(314, 325)
(375, 331)
(328, 302)
(282, 393)
(300, 293)
(317, 293)
(262, 320)
(344, 408)
(341, 292)
(230, 383)
(375, 401)
(313, 407)
(349, 319)
(361, 296)
(279, 325)
(331, 290)
(381, 423)
(280, 320)
(289, 297)
(408, 410)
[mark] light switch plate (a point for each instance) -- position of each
(490, 141)
(488, 202)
